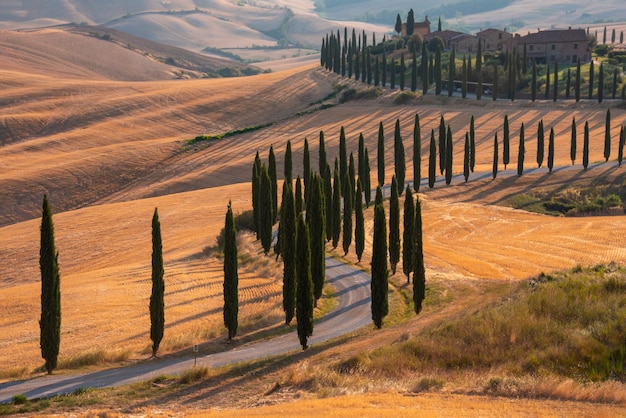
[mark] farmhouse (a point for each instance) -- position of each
(495, 40)
(561, 45)
(423, 28)
(464, 43)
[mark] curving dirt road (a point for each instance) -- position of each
(352, 312)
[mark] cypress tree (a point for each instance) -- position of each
(367, 184)
(398, 26)
(479, 70)
(551, 150)
(533, 83)
(381, 155)
(591, 71)
(306, 167)
(586, 146)
(231, 277)
(601, 83)
(266, 214)
(613, 36)
(383, 68)
(604, 36)
(540, 143)
(271, 170)
(157, 305)
(379, 196)
(472, 150)
(620, 149)
(577, 83)
(288, 249)
(414, 71)
(425, 75)
(288, 169)
(347, 215)
(451, 73)
(437, 72)
(402, 72)
(466, 158)
(568, 83)
(50, 322)
(350, 60)
(394, 226)
(408, 235)
(614, 83)
(376, 72)
(343, 155)
(328, 198)
(316, 221)
(359, 224)
(298, 196)
(399, 158)
(417, 154)
(304, 287)
(439, 25)
(361, 158)
(419, 272)
(364, 61)
(547, 92)
(392, 68)
(350, 188)
(432, 161)
(494, 96)
(464, 78)
(572, 147)
(556, 81)
(442, 145)
(379, 284)
(494, 170)
(410, 23)
(607, 136)
(322, 155)
(506, 143)
(256, 183)
(521, 152)
(357, 64)
(431, 70)
(368, 59)
(336, 207)
(449, 156)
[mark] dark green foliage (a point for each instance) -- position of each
(298, 196)
(620, 149)
(556, 81)
(381, 155)
(350, 188)
(494, 170)
(568, 83)
(410, 23)
(414, 71)
(359, 224)
(379, 284)
(288, 249)
(419, 272)
(540, 143)
(408, 235)
(231, 277)
(506, 143)
(316, 221)
(398, 154)
(425, 75)
(343, 155)
(442, 144)
(551, 150)
(572, 147)
(437, 72)
(379, 196)
(288, 169)
(432, 160)
(464, 78)
(336, 207)
(402, 72)
(586, 146)
(521, 152)
(601, 83)
(361, 157)
(439, 25)
(256, 184)
(607, 136)
(366, 181)
(304, 287)
(591, 74)
(271, 170)
(466, 158)
(451, 73)
(472, 150)
(394, 226)
(347, 215)
(328, 198)
(417, 154)
(50, 322)
(398, 26)
(266, 213)
(547, 92)
(383, 69)
(376, 72)
(449, 149)
(494, 95)
(157, 304)
(322, 155)
(306, 168)
(614, 89)
(577, 83)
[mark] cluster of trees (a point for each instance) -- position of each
(502, 75)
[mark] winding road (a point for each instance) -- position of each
(352, 312)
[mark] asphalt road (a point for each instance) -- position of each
(352, 288)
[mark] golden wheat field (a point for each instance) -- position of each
(109, 152)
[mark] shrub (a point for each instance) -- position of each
(243, 221)
(404, 97)
(19, 399)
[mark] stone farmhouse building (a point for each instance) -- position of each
(423, 28)
(561, 45)
(495, 40)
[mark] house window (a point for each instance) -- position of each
(575, 46)
(531, 47)
(574, 59)
(553, 47)
(499, 36)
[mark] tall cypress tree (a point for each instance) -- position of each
(398, 26)
(379, 283)
(451, 73)
(336, 207)
(464, 78)
(437, 72)
(466, 158)
(304, 288)
(494, 169)
(556, 81)
(328, 198)
(361, 157)
(425, 75)
(472, 150)
(298, 196)
(392, 68)
(442, 144)
(620, 149)
(547, 92)
(157, 305)
(350, 188)
(521, 152)
(347, 215)
(414, 71)
(231, 277)
(367, 183)
(506, 142)
(343, 154)
(432, 160)
(402, 72)
(288, 169)
(540, 143)
(479, 70)
(266, 214)
(306, 168)
(394, 226)
(591, 74)
(419, 272)
(607, 136)
(322, 155)
(449, 147)
(288, 249)
(408, 234)
(577, 83)
(316, 221)
(494, 95)
(381, 154)
(410, 23)
(50, 322)
(533, 83)
(572, 146)
(586, 146)
(417, 154)
(383, 70)
(568, 83)
(376, 72)
(551, 150)
(614, 94)
(359, 224)
(399, 158)
(271, 170)
(256, 184)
